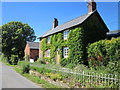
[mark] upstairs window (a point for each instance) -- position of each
(66, 34)
(47, 53)
(48, 39)
(65, 52)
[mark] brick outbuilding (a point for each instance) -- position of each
(32, 49)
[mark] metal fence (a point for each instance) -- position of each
(90, 79)
(93, 79)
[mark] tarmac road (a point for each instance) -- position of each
(11, 79)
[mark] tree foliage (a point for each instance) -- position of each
(14, 37)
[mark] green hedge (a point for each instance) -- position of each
(104, 52)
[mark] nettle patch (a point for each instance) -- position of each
(75, 43)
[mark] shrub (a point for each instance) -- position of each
(40, 70)
(103, 52)
(113, 67)
(54, 76)
(26, 57)
(39, 59)
(3, 58)
(25, 67)
(80, 67)
(14, 59)
(64, 62)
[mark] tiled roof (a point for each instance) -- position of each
(69, 24)
(33, 45)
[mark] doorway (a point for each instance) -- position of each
(57, 57)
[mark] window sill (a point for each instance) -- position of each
(65, 39)
(65, 56)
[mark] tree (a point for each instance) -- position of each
(14, 37)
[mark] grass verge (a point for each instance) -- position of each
(36, 79)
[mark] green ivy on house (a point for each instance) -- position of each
(75, 43)
(76, 46)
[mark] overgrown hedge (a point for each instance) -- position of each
(105, 53)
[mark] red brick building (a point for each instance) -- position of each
(32, 49)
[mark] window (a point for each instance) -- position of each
(48, 53)
(66, 34)
(48, 39)
(65, 52)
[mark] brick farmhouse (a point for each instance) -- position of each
(32, 50)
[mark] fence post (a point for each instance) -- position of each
(96, 79)
(108, 79)
(105, 79)
(83, 77)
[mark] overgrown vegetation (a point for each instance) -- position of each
(14, 60)
(57, 73)
(3, 58)
(25, 67)
(26, 57)
(105, 54)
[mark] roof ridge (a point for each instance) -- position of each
(80, 16)
(74, 19)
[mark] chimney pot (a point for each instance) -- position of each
(91, 6)
(55, 23)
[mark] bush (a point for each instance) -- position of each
(39, 59)
(14, 59)
(103, 52)
(26, 57)
(64, 62)
(113, 67)
(40, 70)
(54, 76)
(25, 67)
(3, 58)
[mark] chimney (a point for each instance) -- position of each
(91, 6)
(55, 23)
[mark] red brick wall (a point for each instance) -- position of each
(27, 50)
(40, 51)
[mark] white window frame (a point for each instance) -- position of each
(48, 39)
(65, 36)
(65, 52)
(48, 53)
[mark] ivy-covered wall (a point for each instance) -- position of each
(56, 42)
(74, 43)
(79, 37)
